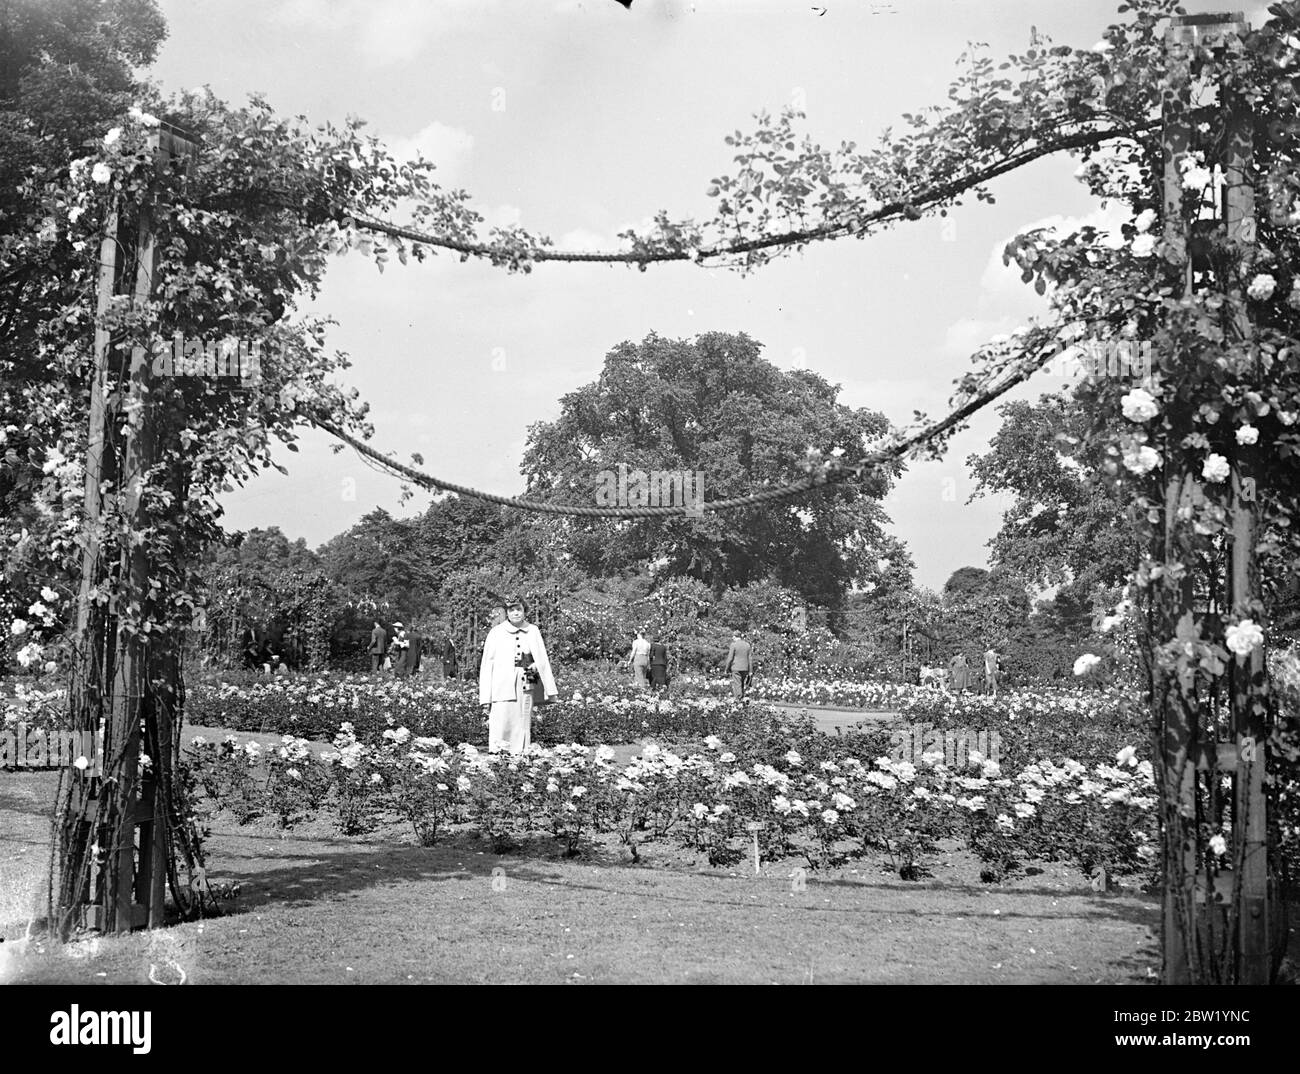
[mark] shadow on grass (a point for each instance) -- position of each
(297, 871)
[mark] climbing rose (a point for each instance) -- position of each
(1139, 405)
(1262, 287)
(1247, 434)
(1144, 246)
(1215, 469)
(1145, 219)
(1244, 637)
(1142, 460)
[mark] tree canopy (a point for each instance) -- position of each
(715, 406)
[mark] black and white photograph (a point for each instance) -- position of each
(650, 492)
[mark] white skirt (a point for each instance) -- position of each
(510, 722)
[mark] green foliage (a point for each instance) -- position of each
(713, 405)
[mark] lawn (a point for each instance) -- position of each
(317, 908)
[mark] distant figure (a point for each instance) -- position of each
(435, 646)
(991, 671)
(411, 655)
(934, 677)
(739, 666)
(959, 673)
(639, 661)
(378, 646)
(658, 664)
(250, 649)
(397, 650)
(449, 659)
(276, 666)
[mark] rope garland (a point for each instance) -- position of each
(1012, 371)
(1078, 140)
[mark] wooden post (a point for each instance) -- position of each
(1249, 700)
(1175, 722)
(133, 895)
(1194, 907)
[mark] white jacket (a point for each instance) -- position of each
(496, 675)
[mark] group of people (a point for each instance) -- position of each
(959, 676)
(648, 661)
(403, 652)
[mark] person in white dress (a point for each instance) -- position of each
(513, 654)
(639, 661)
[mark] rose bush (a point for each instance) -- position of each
(824, 806)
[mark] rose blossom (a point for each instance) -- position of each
(1216, 468)
(1262, 287)
(1139, 405)
(1244, 637)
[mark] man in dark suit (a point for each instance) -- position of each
(411, 657)
(740, 665)
(378, 646)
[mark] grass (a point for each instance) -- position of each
(318, 908)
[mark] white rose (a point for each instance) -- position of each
(1141, 460)
(1262, 287)
(112, 136)
(17, 627)
(101, 173)
(1086, 663)
(1145, 219)
(1139, 405)
(1244, 637)
(1247, 434)
(1216, 468)
(49, 594)
(1218, 844)
(1144, 246)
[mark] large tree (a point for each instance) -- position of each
(714, 405)
(1065, 527)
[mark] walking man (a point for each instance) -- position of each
(378, 646)
(740, 663)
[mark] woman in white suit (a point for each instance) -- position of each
(514, 665)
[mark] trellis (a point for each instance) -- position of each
(117, 833)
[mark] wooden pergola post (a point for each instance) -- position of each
(1197, 908)
(108, 884)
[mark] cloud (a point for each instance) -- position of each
(581, 239)
(450, 148)
(896, 399)
(1000, 281)
(966, 336)
(387, 31)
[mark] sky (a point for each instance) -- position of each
(577, 119)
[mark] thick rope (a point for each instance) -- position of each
(999, 380)
(1078, 140)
